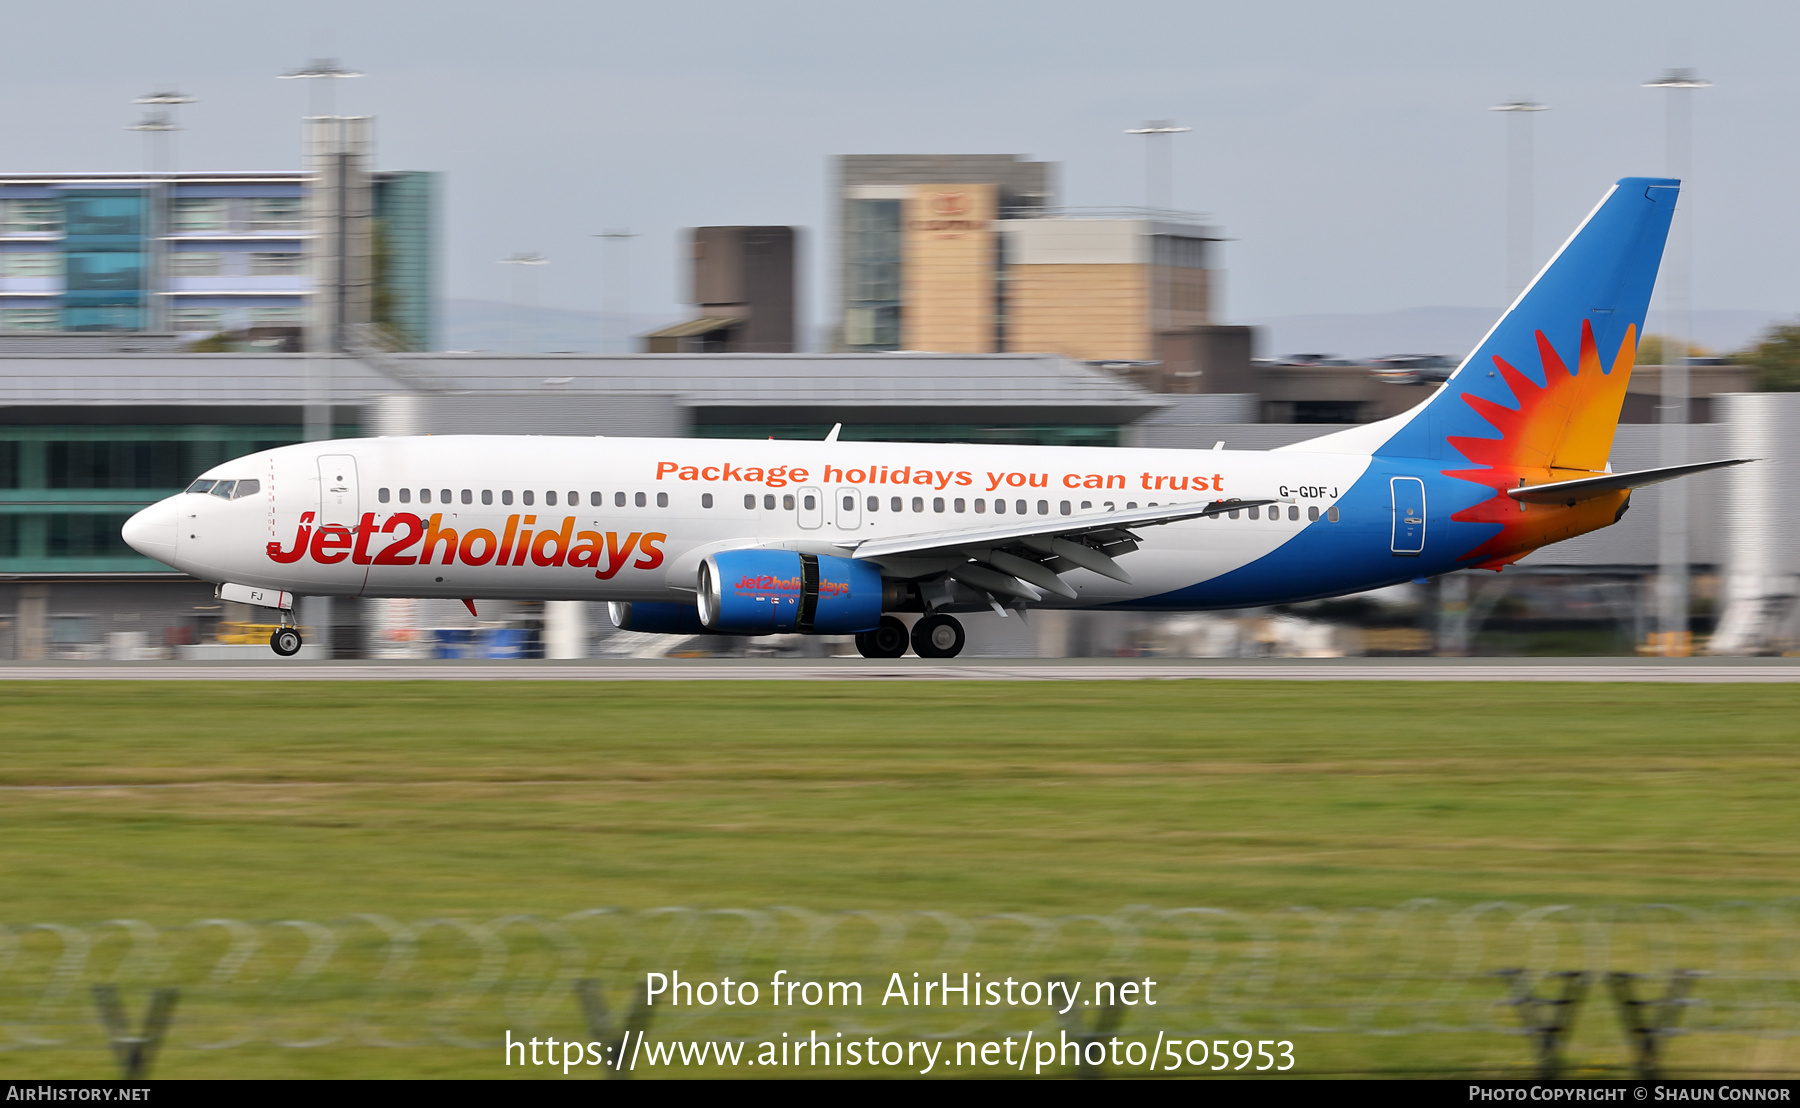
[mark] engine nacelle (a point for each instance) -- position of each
(661, 619)
(763, 592)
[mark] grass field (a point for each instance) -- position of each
(170, 802)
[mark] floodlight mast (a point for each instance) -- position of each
(524, 261)
(1152, 147)
(1520, 188)
(319, 70)
(621, 236)
(1672, 577)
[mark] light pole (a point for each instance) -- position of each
(321, 72)
(524, 261)
(621, 316)
(157, 124)
(1672, 546)
(1519, 192)
(1152, 147)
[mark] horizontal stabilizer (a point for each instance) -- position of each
(1586, 488)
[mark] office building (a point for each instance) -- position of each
(198, 254)
(743, 282)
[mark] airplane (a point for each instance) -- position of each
(747, 537)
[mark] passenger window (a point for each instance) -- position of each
(1130, 505)
(980, 506)
(1233, 513)
(999, 507)
(1086, 504)
(787, 502)
(443, 496)
(574, 499)
(937, 504)
(424, 496)
(750, 501)
(595, 498)
(1255, 512)
(201, 485)
(959, 505)
(638, 500)
(809, 501)
(706, 500)
(874, 503)
(1043, 507)
(1064, 506)
(1293, 511)
(550, 498)
(895, 504)
(505, 496)
(849, 503)
(918, 503)
(245, 488)
(406, 496)
(1020, 507)
(1331, 514)
(487, 496)
(769, 502)
(618, 500)
(381, 495)
(468, 497)
(528, 497)
(662, 500)
(1312, 512)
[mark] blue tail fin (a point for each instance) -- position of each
(1550, 376)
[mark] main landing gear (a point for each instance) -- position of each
(888, 640)
(932, 637)
(285, 640)
(937, 637)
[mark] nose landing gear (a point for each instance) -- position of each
(285, 640)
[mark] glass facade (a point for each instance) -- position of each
(103, 259)
(872, 314)
(406, 258)
(66, 490)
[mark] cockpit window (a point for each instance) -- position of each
(202, 485)
(246, 488)
(222, 489)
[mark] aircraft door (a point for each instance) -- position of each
(334, 533)
(849, 509)
(1409, 516)
(811, 513)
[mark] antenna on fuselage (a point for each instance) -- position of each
(832, 435)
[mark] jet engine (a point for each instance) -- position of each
(762, 592)
(662, 619)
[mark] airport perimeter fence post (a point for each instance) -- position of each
(135, 1052)
(1649, 1020)
(1547, 1020)
(1107, 1018)
(600, 1023)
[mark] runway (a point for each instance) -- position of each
(1685, 671)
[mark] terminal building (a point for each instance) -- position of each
(194, 255)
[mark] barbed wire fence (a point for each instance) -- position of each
(1425, 987)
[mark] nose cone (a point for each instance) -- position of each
(152, 531)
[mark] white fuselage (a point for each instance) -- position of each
(558, 518)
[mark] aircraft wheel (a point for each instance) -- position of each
(285, 642)
(886, 641)
(938, 637)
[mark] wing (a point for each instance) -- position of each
(1586, 488)
(1018, 559)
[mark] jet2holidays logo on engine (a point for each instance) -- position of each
(418, 541)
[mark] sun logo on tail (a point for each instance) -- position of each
(1560, 430)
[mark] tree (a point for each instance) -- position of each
(1776, 359)
(1650, 350)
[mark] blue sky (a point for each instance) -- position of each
(1346, 149)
